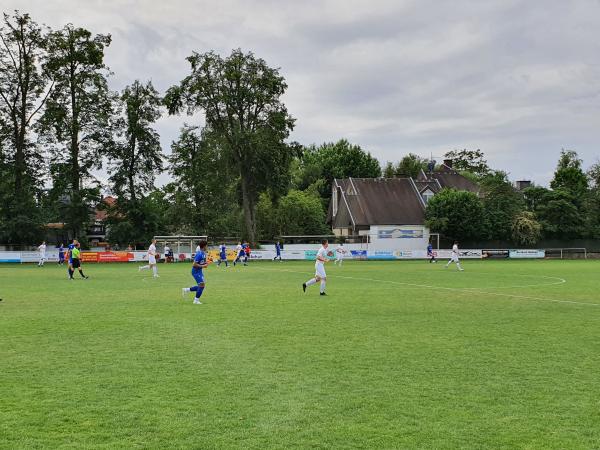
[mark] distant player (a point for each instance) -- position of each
(199, 264)
(454, 257)
(151, 259)
(222, 256)
(42, 252)
(277, 251)
(239, 253)
(340, 252)
(430, 254)
(246, 253)
(320, 274)
(70, 248)
(76, 262)
(61, 254)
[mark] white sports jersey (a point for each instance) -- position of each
(341, 251)
(322, 253)
(239, 248)
(42, 249)
(455, 250)
(152, 250)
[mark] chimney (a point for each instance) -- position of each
(448, 163)
(523, 184)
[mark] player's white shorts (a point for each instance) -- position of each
(151, 259)
(454, 258)
(320, 270)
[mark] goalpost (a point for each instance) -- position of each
(566, 253)
(183, 244)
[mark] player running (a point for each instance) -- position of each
(76, 262)
(454, 257)
(340, 252)
(430, 254)
(199, 264)
(151, 259)
(320, 274)
(277, 251)
(42, 252)
(222, 256)
(239, 253)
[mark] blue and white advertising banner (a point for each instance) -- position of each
(464, 254)
(400, 233)
(526, 253)
(358, 254)
(10, 257)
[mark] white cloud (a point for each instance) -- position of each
(513, 78)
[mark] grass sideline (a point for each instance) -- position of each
(424, 357)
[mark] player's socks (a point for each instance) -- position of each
(71, 271)
(144, 267)
(311, 282)
(155, 270)
(81, 273)
(304, 287)
(322, 286)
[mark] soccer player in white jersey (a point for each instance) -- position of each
(151, 259)
(320, 274)
(42, 250)
(454, 257)
(340, 252)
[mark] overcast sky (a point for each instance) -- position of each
(517, 79)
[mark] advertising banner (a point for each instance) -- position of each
(464, 254)
(10, 257)
(115, 256)
(358, 254)
(527, 253)
(89, 257)
(293, 254)
(400, 233)
(495, 254)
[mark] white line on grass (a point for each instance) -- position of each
(464, 290)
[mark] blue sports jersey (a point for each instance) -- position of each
(200, 258)
(70, 247)
(278, 248)
(430, 248)
(223, 251)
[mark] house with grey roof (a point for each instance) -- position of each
(381, 209)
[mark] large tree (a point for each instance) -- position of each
(569, 176)
(204, 189)
(409, 166)
(23, 92)
(472, 161)
(240, 96)
(77, 120)
(136, 157)
(341, 159)
(456, 214)
(501, 204)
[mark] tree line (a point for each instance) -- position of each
(568, 209)
(236, 174)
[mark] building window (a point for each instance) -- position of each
(427, 195)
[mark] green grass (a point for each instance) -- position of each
(399, 355)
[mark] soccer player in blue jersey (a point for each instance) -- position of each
(277, 251)
(200, 263)
(61, 255)
(430, 254)
(222, 255)
(70, 248)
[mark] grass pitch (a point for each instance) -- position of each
(400, 355)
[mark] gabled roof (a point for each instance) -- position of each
(378, 201)
(433, 185)
(449, 178)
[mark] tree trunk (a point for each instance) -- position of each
(248, 207)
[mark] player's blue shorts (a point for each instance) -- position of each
(198, 276)
(223, 256)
